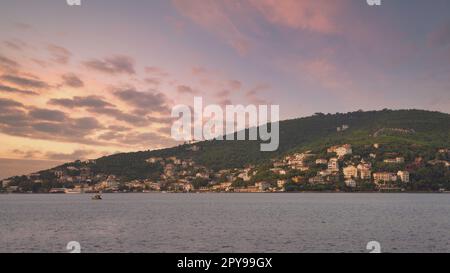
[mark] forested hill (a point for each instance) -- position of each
(421, 130)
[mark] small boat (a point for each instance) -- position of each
(97, 197)
(57, 190)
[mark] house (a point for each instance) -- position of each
(333, 164)
(248, 189)
(437, 162)
(384, 177)
(202, 175)
(278, 171)
(300, 168)
(350, 172)
(12, 189)
(297, 179)
(298, 158)
(332, 149)
(344, 150)
(278, 164)
(281, 183)
(295, 160)
(351, 183)
(342, 128)
(365, 173)
(244, 175)
(5, 183)
(58, 173)
(225, 186)
(397, 160)
(262, 186)
(181, 186)
(188, 187)
(404, 176)
(153, 186)
(316, 180)
(153, 160)
(321, 161)
(324, 173)
(177, 162)
(341, 151)
(364, 170)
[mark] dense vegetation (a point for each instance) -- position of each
(430, 130)
(410, 133)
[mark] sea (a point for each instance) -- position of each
(225, 222)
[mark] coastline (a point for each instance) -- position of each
(195, 192)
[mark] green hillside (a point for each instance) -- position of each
(419, 137)
(424, 130)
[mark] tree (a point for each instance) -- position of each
(200, 182)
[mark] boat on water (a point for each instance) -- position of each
(98, 196)
(57, 190)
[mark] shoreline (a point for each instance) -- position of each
(194, 192)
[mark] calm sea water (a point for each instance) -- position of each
(283, 222)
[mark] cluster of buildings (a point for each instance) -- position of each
(334, 168)
(338, 165)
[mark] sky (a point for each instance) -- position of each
(79, 82)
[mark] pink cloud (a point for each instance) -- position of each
(184, 89)
(322, 71)
(156, 71)
(212, 15)
(253, 94)
(317, 15)
(235, 85)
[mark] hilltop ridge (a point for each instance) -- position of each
(411, 134)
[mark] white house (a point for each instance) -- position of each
(404, 176)
(262, 186)
(350, 172)
(333, 165)
(344, 150)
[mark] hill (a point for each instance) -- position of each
(412, 134)
(423, 129)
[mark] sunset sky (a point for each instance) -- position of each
(81, 82)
